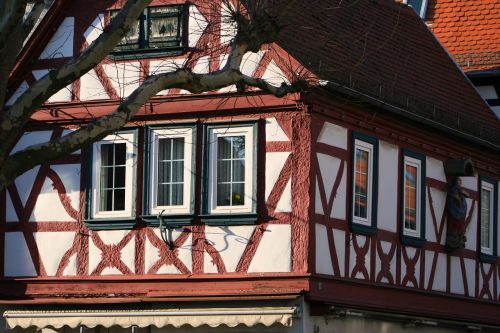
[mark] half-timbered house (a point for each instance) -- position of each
(330, 210)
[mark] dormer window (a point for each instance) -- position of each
(420, 6)
(158, 32)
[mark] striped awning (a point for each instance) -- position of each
(213, 317)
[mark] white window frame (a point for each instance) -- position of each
(170, 133)
(418, 217)
(213, 135)
(423, 9)
(368, 147)
(129, 140)
(486, 186)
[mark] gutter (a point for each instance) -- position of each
(337, 88)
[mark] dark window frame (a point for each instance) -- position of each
(486, 257)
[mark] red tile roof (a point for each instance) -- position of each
(469, 29)
(383, 49)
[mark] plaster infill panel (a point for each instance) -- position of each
(329, 167)
(274, 253)
(274, 132)
(274, 165)
(435, 169)
(17, 258)
(197, 25)
(438, 203)
(387, 214)
(61, 43)
(333, 135)
(230, 243)
(52, 246)
(323, 258)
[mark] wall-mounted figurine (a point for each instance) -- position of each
(456, 203)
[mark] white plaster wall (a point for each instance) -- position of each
(112, 237)
(456, 280)
(329, 168)
(274, 132)
(318, 206)
(19, 91)
(438, 202)
(434, 169)
(230, 242)
(24, 184)
(439, 282)
(49, 197)
(95, 29)
(165, 66)
(61, 43)
(52, 246)
(274, 253)
(202, 66)
(228, 26)
(274, 75)
(361, 240)
(17, 259)
(250, 62)
(91, 88)
(284, 204)
(184, 254)
(470, 270)
(197, 25)
(333, 135)
(386, 247)
(411, 252)
(29, 138)
(387, 213)
(323, 258)
(340, 248)
(124, 76)
(470, 183)
(63, 95)
(274, 165)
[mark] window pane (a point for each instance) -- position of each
(107, 154)
(238, 194)
(163, 29)
(119, 199)
(178, 171)
(131, 40)
(238, 146)
(224, 171)
(120, 153)
(361, 183)
(410, 208)
(223, 194)
(119, 176)
(239, 170)
(178, 148)
(163, 195)
(177, 195)
(106, 177)
(165, 149)
(485, 218)
(223, 148)
(106, 200)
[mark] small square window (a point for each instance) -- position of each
(413, 199)
(113, 176)
(488, 219)
(171, 170)
(158, 30)
(364, 184)
(231, 170)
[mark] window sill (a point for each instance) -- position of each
(147, 53)
(111, 223)
(229, 219)
(170, 220)
(487, 258)
(412, 241)
(363, 229)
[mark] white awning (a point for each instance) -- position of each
(160, 318)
